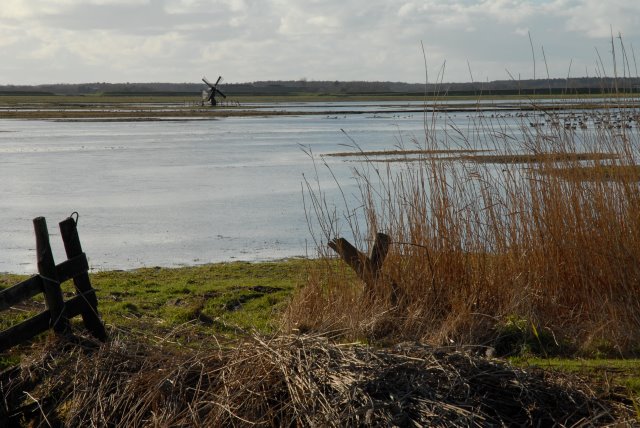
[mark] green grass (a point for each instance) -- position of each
(217, 298)
(188, 303)
(610, 376)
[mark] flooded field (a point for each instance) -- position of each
(181, 192)
(174, 192)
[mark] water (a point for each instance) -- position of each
(176, 193)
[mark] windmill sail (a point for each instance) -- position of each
(210, 93)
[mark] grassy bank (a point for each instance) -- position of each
(189, 303)
(183, 339)
(186, 327)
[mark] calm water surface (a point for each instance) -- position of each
(175, 193)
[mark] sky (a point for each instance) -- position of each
(117, 41)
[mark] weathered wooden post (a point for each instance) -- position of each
(73, 248)
(50, 282)
(379, 252)
(366, 267)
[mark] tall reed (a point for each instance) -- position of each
(544, 234)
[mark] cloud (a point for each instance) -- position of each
(16, 9)
(594, 19)
(205, 6)
(131, 40)
(296, 24)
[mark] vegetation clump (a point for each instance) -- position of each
(289, 381)
(545, 229)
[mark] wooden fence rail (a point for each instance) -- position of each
(50, 277)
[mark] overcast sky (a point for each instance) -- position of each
(74, 41)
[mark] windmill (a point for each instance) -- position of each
(209, 94)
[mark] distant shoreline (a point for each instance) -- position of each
(179, 108)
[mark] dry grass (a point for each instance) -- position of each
(512, 255)
(598, 173)
(397, 153)
(453, 155)
(288, 381)
(536, 158)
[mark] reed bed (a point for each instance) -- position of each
(288, 381)
(535, 247)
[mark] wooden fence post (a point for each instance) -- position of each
(366, 267)
(73, 248)
(50, 283)
(379, 252)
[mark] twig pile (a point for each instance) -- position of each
(288, 381)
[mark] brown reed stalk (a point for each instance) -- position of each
(546, 231)
(289, 381)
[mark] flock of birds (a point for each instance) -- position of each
(599, 121)
(573, 121)
(568, 121)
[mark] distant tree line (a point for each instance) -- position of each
(580, 85)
